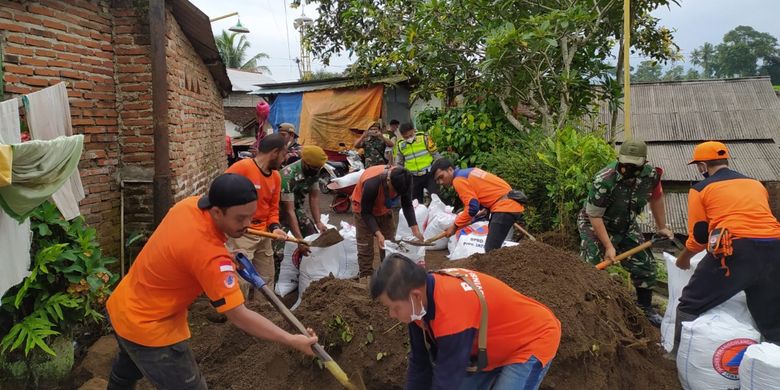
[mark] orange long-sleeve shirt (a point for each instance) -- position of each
(476, 188)
(731, 200)
(269, 190)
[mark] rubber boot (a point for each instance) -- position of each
(644, 298)
(679, 318)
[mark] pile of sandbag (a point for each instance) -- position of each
(440, 217)
(760, 368)
(471, 239)
(712, 346)
(403, 231)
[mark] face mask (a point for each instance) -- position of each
(417, 317)
(703, 172)
(629, 171)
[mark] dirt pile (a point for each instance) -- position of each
(606, 344)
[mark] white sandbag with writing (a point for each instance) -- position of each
(469, 240)
(760, 368)
(339, 260)
(403, 231)
(440, 217)
(413, 252)
(678, 278)
(711, 350)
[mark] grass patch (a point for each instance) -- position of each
(776, 87)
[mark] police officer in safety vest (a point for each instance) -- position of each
(416, 151)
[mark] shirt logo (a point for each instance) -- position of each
(257, 186)
(230, 280)
(226, 266)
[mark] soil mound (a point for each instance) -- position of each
(607, 343)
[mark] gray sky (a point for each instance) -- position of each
(271, 31)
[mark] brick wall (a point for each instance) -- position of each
(70, 41)
(196, 119)
(773, 188)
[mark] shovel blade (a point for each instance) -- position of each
(417, 243)
(327, 238)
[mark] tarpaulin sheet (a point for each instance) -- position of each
(327, 116)
(286, 108)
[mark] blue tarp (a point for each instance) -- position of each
(286, 108)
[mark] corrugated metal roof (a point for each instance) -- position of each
(732, 109)
(244, 81)
(759, 160)
(676, 205)
(197, 27)
(318, 85)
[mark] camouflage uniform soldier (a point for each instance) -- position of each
(374, 144)
(607, 224)
(299, 180)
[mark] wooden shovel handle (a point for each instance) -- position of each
(436, 237)
(520, 228)
(275, 237)
(606, 263)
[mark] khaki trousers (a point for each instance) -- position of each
(260, 252)
(366, 241)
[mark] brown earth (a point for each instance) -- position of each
(606, 342)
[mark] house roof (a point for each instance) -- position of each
(757, 159)
(197, 28)
(244, 81)
(318, 85)
(731, 109)
(676, 205)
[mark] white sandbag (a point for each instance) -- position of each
(339, 260)
(440, 217)
(469, 240)
(288, 269)
(403, 231)
(415, 253)
(711, 349)
(347, 180)
(760, 368)
(736, 307)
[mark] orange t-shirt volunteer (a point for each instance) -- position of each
(518, 328)
(184, 257)
(269, 189)
(476, 188)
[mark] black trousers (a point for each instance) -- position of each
(172, 367)
(755, 268)
(500, 224)
(423, 182)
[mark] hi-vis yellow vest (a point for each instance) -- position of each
(417, 157)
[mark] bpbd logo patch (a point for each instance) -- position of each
(728, 356)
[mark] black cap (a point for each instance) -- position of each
(228, 190)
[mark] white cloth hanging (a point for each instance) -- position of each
(15, 237)
(48, 117)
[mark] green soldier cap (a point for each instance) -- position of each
(633, 152)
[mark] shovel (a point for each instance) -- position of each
(428, 242)
(327, 238)
(248, 273)
(647, 244)
(520, 228)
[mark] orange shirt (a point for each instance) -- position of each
(518, 326)
(476, 188)
(731, 200)
(269, 190)
(184, 257)
(379, 207)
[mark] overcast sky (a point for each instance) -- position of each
(271, 26)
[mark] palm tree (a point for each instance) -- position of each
(233, 53)
(705, 58)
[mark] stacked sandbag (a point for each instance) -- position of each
(440, 217)
(339, 260)
(471, 239)
(760, 368)
(711, 351)
(413, 252)
(288, 270)
(403, 231)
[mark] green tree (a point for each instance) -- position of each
(674, 73)
(647, 70)
(693, 74)
(771, 68)
(234, 53)
(741, 51)
(540, 54)
(704, 57)
(322, 74)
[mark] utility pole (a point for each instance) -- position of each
(302, 24)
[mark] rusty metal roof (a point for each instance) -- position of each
(731, 109)
(318, 85)
(197, 28)
(676, 214)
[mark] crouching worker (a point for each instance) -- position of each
(185, 257)
(451, 347)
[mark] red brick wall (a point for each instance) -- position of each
(71, 41)
(196, 119)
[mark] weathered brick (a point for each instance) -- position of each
(55, 25)
(19, 50)
(69, 57)
(35, 81)
(71, 74)
(37, 9)
(15, 27)
(25, 17)
(46, 72)
(37, 42)
(68, 38)
(25, 70)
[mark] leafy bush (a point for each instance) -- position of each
(574, 158)
(67, 286)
